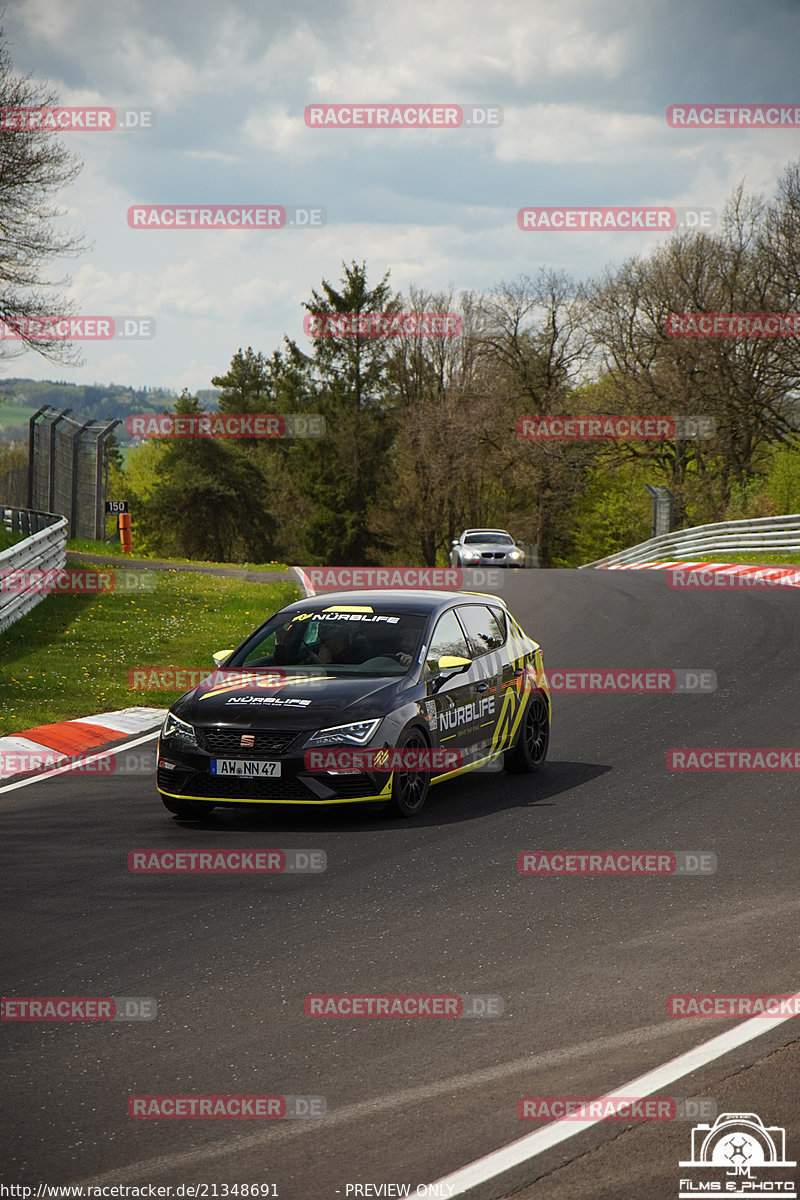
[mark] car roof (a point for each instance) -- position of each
(412, 600)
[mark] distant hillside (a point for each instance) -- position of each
(20, 398)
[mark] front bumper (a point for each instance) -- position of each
(184, 774)
(483, 563)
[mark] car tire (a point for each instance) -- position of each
(533, 738)
(409, 788)
(188, 809)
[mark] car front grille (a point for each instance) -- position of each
(227, 743)
(226, 787)
(493, 554)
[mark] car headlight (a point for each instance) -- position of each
(357, 734)
(516, 554)
(470, 554)
(174, 727)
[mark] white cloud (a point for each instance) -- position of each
(583, 87)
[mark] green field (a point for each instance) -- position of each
(15, 416)
(7, 538)
(105, 548)
(71, 656)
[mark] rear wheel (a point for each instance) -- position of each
(187, 809)
(533, 739)
(409, 788)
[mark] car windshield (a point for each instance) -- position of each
(501, 539)
(351, 641)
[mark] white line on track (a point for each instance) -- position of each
(78, 762)
(236, 1145)
(528, 1147)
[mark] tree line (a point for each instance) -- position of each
(422, 432)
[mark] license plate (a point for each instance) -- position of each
(251, 767)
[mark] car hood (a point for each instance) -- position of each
(309, 703)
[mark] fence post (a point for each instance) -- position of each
(100, 459)
(32, 430)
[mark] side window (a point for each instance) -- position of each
(500, 617)
(485, 632)
(264, 650)
(448, 638)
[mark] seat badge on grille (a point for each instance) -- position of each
(248, 739)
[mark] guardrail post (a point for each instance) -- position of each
(663, 510)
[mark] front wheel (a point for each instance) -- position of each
(409, 788)
(533, 740)
(187, 808)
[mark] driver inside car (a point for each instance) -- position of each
(332, 644)
(408, 644)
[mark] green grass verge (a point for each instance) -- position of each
(8, 539)
(82, 546)
(71, 655)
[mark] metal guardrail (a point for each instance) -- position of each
(43, 549)
(762, 533)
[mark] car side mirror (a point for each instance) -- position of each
(221, 656)
(455, 543)
(449, 665)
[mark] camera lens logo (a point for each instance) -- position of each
(738, 1155)
(738, 1150)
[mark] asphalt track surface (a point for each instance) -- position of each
(584, 965)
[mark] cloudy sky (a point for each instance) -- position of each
(583, 86)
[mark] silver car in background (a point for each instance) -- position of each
(486, 548)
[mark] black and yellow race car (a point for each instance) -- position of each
(358, 697)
